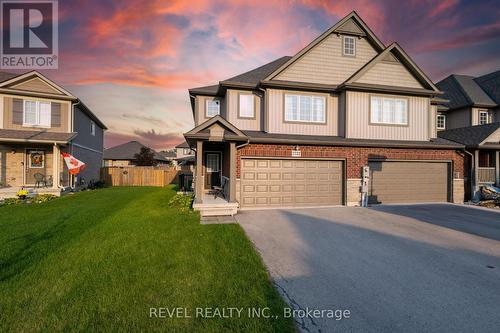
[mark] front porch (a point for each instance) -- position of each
(215, 143)
(35, 166)
(488, 167)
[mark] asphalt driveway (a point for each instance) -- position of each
(432, 268)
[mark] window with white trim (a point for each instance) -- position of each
(388, 110)
(247, 106)
(484, 117)
(92, 128)
(349, 46)
(36, 113)
(304, 108)
(441, 121)
(212, 107)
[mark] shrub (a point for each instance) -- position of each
(12, 201)
(41, 198)
(182, 202)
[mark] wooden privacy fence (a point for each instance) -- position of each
(137, 176)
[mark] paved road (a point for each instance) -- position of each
(419, 268)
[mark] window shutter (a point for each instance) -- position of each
(17, 111)
(56, 115)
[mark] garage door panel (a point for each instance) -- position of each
(270, 182)
(400, 182)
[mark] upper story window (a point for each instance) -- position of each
(388, 110)
(303, 108)
(36, 113)
(212, 107)
(187, 151)
(484, 117)
(441, 122)
(92, 128)
(246, 106)
(349, 48)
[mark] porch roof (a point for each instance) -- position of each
(203, 131)
(472, 136)
(11, 135)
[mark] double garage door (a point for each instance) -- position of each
(291, 183)
(302, 183)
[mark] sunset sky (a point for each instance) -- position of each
(132, 61)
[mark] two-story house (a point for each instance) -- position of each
(301, 130)
(124, 155)
(39, 120)
(470, 115)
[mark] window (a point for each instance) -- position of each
(212, 108)
(304, 108)
(187, 151)
(36, 113)
(349, 46)
(483, 117)
(247, 109)
(92, 128)
(441, 121)
(386, 110)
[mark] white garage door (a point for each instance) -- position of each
(290, 183)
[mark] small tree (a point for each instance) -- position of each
(146, 157)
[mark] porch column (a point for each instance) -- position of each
(198, 185)
(232, 172)
(55, 166)
(475, 184)
(497, 166)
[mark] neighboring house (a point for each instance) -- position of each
(183, 150)
(483, 144)
(38, 120)
(299, 130)
(469, 100)
(124, 155)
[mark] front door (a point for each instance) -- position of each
(35, 166)
(212, 170)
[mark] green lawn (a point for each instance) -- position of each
(98, 261)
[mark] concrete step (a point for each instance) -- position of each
(220, 209)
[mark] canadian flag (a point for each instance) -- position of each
(74, 165)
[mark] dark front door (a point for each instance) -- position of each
(35, 166)
(212, 170)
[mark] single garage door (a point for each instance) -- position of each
(290, 183)
(409, 182)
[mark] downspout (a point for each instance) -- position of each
(472, 173)
(72, 177)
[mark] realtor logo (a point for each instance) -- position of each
(29, 34)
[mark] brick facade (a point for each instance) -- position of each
(356, 157)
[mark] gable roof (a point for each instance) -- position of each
(464, 90)
(338, 27)
(183, 145)
(127, 151)
(34, 74)
(471, 136)
(394, 51)
(491, 85)
(217, 119)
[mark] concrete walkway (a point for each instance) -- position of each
(418, 268)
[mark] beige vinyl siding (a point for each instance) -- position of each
(325, 63)
(255, 124)
(432, 121)
(200, 104)
(36, 85)
(458, 118)
(494, 137)
(8, 115)
(358, 118)
(276, 123)
(390, 74)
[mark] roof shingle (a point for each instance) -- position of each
(127, 151)
(470, 136)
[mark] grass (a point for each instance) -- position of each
(98, 261)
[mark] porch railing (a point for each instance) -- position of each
(225, 187)
(486, 175)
